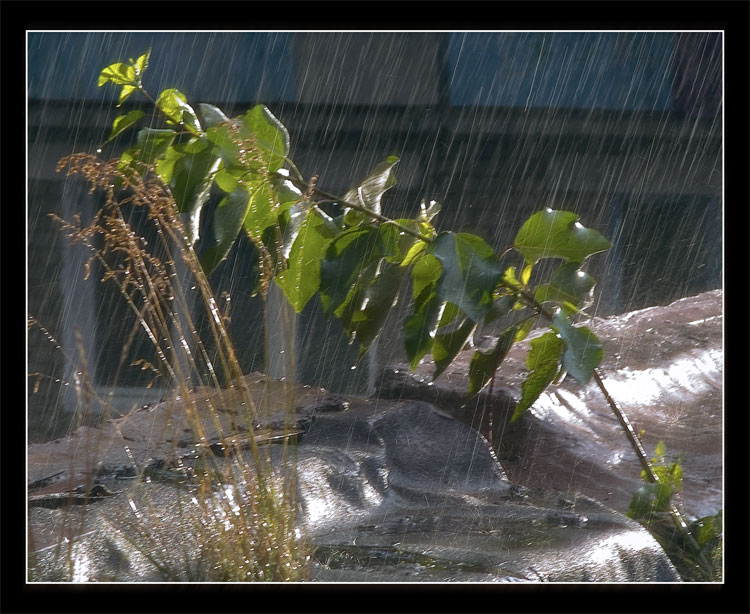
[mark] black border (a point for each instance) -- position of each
(732, 17)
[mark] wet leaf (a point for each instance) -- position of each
(301, 280)
(270, 135)
(262, 211)
(347, 255)
(470, 272)
(446, 346)
(141, 64)
(650, 499)
(568, 284)
(379, 296)
(117, 73)
(420, 327)
(428, 210)
(583, 350)
(174, 105)
(425, 272)
(212, 116)
(543, 360)
(706, 529)
(150, 146)
(501, 306)
(370, 191)
(188, 171)
(397, 243)
(557, 234)
(123, 122)
(227, 223)
(414, 253)
(484, 364)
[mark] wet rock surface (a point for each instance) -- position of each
(664, 367)
(409, 490)
(387, 492)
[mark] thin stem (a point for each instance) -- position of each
(377, 216)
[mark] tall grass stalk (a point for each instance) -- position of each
(239, 513)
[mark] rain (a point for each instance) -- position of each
(622, 128)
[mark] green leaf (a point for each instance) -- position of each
(125, 93)
(379, 296)
(650, 499)
(420, 327)
(227, 223)
(706, 529)
(544, 361)
(263, 210)
(568, 284)
(414, 253)
(212, 116)
(470, 272)
(123, 122)
(446, 346)
(173, 104)
(141, 64)
(301, 280)
(119, 74)
(557, 234)
(427, 211)
(347, 255)
(188, 170)
(397, 243)
(425, 272)
(270, 134)
(583, 350)
(501, 306)
(150, 146)
(370, 191)
(484, 364)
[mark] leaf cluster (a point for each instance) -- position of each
(356, 260)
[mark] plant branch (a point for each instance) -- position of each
(377, 216)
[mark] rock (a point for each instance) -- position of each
(664, 367)
(387, 492)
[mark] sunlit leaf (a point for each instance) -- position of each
(141, 64)
(227, 223)
(543, 360)
(484, 364)
(415, 251)
(470, 272)
(583, 350)
(557, 234)
(125, 93)
(269, 134)
(117, 73)
(123, 122)
(262, 211)
(301, 280)
(150, 146)
(174, 105)
(425, 272)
